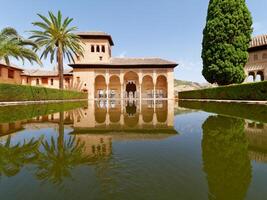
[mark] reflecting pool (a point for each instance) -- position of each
(133, 150)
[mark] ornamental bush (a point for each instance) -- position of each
(226, 38)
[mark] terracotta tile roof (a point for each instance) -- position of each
(260, 40)
(140, 61)
(11, 66)
(92, 33)
(130, 62)
(38, 72)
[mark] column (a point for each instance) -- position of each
(122, 84)
(254, 76)
(154, 84)
(140, 79)
(107, 82)
(90, 84)
(170, 83)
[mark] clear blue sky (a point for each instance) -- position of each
(170, 29)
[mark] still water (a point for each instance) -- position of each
(133, 150)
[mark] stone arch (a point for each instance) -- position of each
(147, 87)
(251, 77)
(259, 76)
(114, 86)
(131, 80)
(100, 86)
(161, 87)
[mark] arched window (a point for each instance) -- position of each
(103, 48)
(92, 48)
(37, 81)
(52, 81)
(97, 48)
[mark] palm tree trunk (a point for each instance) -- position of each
(60, 67)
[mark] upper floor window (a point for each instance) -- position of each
(256, 57)
(92, 48)
(97, 48)
(103, 48)
(264, 56)
(11, 73)
(37, 81)
(100, 58)
(44, 80)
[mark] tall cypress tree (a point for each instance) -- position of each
(226, 40)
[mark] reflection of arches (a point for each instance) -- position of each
(100, 115)
(147, 114)
(115, 114)
(100, 86)
(161, 87)
(131, 118)
(131, 80)
(162, 112)
(114, 86)
(147, 87)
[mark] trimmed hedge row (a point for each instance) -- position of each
(10, 92)
(248, 91)
(24, 112)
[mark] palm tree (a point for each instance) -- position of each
(14, 45)
(57, 39)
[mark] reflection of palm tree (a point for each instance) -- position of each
(225, 158)
(60, 157)
(13, 158)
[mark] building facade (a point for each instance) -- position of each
(104, 76)
(10, 74)
(256, 68)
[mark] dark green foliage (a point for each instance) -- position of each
(225, 158)
(226, 40)
(246, 111)
(250, 91)
(25, 112)
(9, 92)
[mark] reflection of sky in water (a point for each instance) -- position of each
(214, 156)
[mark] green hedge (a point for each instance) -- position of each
(10, 92)
(248, 91)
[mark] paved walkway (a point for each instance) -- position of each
(226, 101)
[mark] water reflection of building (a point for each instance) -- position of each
(125, 115)
(256, 133)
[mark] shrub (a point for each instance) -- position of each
(249, 91)
(10, 92)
